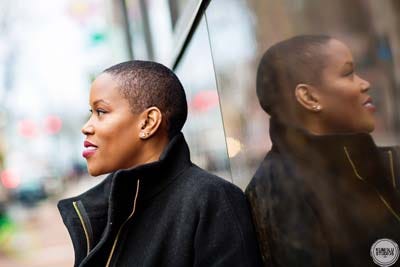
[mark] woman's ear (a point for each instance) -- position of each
(307, 97)
(150, 121)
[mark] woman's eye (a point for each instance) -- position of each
(100, 112)
(349, 73)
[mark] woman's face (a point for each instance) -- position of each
(112, 131)
(346, 106)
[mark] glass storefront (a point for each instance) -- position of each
(239, 32)
(305, 192)
(308, 185)
(240, 35)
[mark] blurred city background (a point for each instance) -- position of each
(50, 51)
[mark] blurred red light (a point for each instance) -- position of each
(205, 100)
(53, 124)
(9, 179)
(27, 128)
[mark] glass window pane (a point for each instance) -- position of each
(241, 31)
(327, 160)
(203, 130)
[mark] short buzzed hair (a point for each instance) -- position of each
(286, 64)
(146, 84)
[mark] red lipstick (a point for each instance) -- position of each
(89, 150)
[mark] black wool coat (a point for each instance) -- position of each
(324, 200)
(165, 213)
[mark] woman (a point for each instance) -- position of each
(156, 208)
(324, 193)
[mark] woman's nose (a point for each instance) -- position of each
(87, 128)
(365, 85)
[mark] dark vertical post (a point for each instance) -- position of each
(127, 30)
(146, 28)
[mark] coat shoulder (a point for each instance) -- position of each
(202, 181)
(268, 173)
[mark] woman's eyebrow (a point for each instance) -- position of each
(349, 63)
(100, 101)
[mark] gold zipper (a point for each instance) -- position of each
(83, 226)
(352, 164)
(360, 177)
(390, 208)
(392, 168)
(120, 229)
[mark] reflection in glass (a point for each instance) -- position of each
(240, 32)
(324, 174)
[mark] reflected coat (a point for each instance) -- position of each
(324, 200)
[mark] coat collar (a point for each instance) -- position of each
(156, 175)
(119, 187)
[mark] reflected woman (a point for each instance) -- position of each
(325, 193)
(156, 208)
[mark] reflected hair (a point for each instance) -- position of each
(149, 84)
(286, 64)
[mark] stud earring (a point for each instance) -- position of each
(317, 107)
(143, 134)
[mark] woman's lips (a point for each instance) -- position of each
(369, 105)
(89, 150)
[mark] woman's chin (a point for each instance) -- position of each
(370, 127)
(94, 171)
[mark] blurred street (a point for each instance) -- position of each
(38, 237)
(49, 53)
(39, 234)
